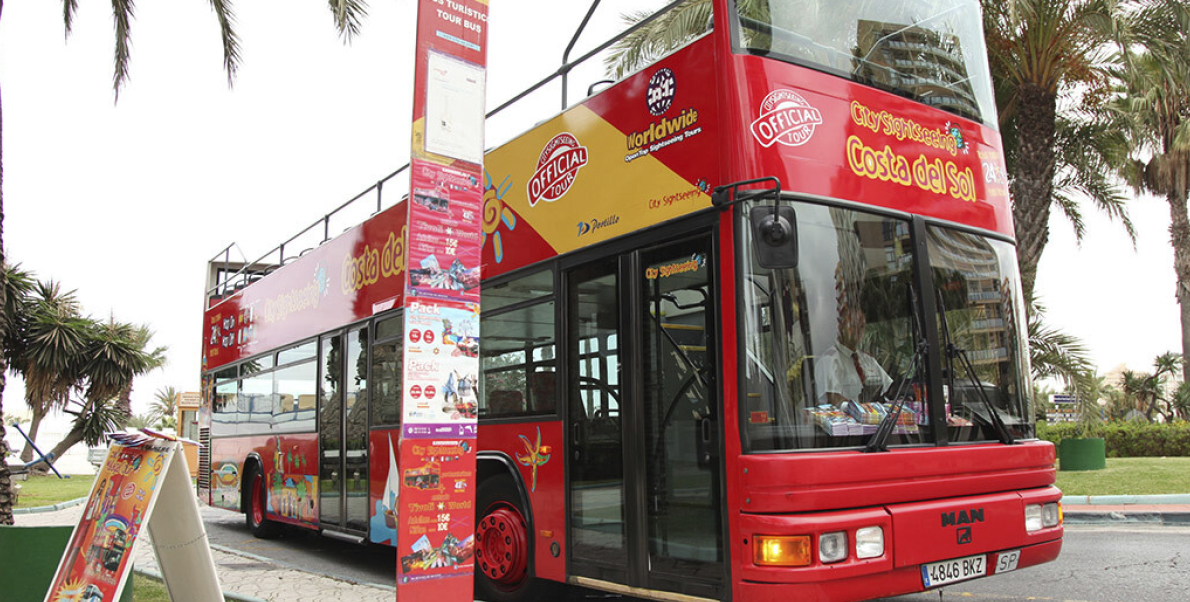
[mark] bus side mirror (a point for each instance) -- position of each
(774, 236)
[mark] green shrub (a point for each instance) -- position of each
(1127, 439)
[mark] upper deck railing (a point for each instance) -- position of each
(228, 276)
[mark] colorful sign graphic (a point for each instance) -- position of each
(94, 567)
(140, 470)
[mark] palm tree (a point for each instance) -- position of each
(348, 15)
(51, 363)
(1040, 52)
(116, 354)
(1148, 391)
(1157, 103)
(15, 284)
(165, 407)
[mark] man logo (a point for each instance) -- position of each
(964, 535)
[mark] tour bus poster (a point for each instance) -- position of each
(444, 245)
(98, 557)
(441, 366)
(437, 507)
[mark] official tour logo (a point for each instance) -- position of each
(662, 88)
(557, 167)
(787, 118)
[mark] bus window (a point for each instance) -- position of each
(296, 390)
(225, 408)
(518, 355)
(835, 337)
(517, 346)
(387, 372)
(979, 312)
(305, 351)
(256, 404)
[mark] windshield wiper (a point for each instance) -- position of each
(879, 441)
(955, 352)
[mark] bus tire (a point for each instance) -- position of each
(503, 546)
(254, 511)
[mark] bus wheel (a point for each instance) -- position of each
(502, 546)
(254, 514)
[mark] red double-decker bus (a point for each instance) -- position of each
(751, 329)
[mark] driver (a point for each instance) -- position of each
(844, 372)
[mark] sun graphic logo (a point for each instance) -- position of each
(787, 118)
(495, 212)
(71, 591)
(557, 168)
(957, 133)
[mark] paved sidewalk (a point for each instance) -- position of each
(248, 578)
(243, 577)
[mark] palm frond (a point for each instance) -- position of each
(69, 7)
(123, 11)
(660, 37)
(349, 15)
(231, 41)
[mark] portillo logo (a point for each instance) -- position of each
(557, 167)
(787, 118)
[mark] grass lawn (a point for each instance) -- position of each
(49, 490)
(1129, 476)
(148, 590)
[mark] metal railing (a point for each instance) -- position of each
(223, 284)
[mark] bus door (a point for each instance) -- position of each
(343, 431)
(644, 419)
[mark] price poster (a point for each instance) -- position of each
(440, 393)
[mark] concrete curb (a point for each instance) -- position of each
(54, 508)
(1179, 519)
(1114, 500)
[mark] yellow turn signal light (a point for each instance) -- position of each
(791, 550)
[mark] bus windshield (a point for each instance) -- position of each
(835, 343)
(931, 51)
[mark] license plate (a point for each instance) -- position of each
(1007, 561)
(953, 571)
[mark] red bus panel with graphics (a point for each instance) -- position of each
(752, 329)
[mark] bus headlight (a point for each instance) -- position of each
(773, 550)
(1051, 514)
(1041, 516)
(869, 542)
(832, 547)
(1033, 517)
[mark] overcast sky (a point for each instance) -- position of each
(126, 202)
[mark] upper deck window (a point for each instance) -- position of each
(931, 51)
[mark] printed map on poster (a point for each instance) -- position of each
(454, 108)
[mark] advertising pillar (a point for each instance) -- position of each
(440, 396)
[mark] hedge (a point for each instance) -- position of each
(1126, 439)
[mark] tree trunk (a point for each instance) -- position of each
(7, 499)
(34, 427)
(1032, 185)
(1179, 235)
(74, 436)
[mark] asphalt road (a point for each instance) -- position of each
(1099, 563)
